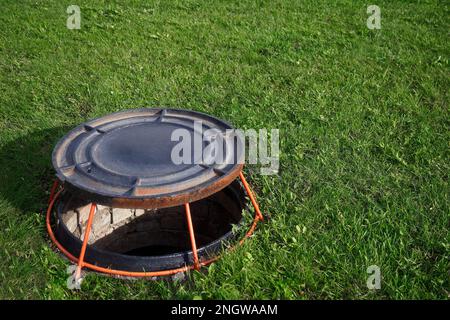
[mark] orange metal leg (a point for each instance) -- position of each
(53, 190)
(129, 273)
(85, 241)
(192, 236)
(251, 196)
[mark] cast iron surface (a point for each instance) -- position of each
(124, 159)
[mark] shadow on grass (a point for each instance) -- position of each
(26, 172)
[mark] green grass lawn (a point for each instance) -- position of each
(364, 135)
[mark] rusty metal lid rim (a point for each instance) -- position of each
(71, 142)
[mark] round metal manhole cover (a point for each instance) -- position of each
(125, 159)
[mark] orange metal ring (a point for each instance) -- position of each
(251, 196)
(258, 217)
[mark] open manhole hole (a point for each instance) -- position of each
(121, 205)
(150, 239)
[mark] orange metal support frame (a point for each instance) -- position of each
(85, 241)
(54, 194)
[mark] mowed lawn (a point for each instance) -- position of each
(364, 135)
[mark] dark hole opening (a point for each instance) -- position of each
(156, 232)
